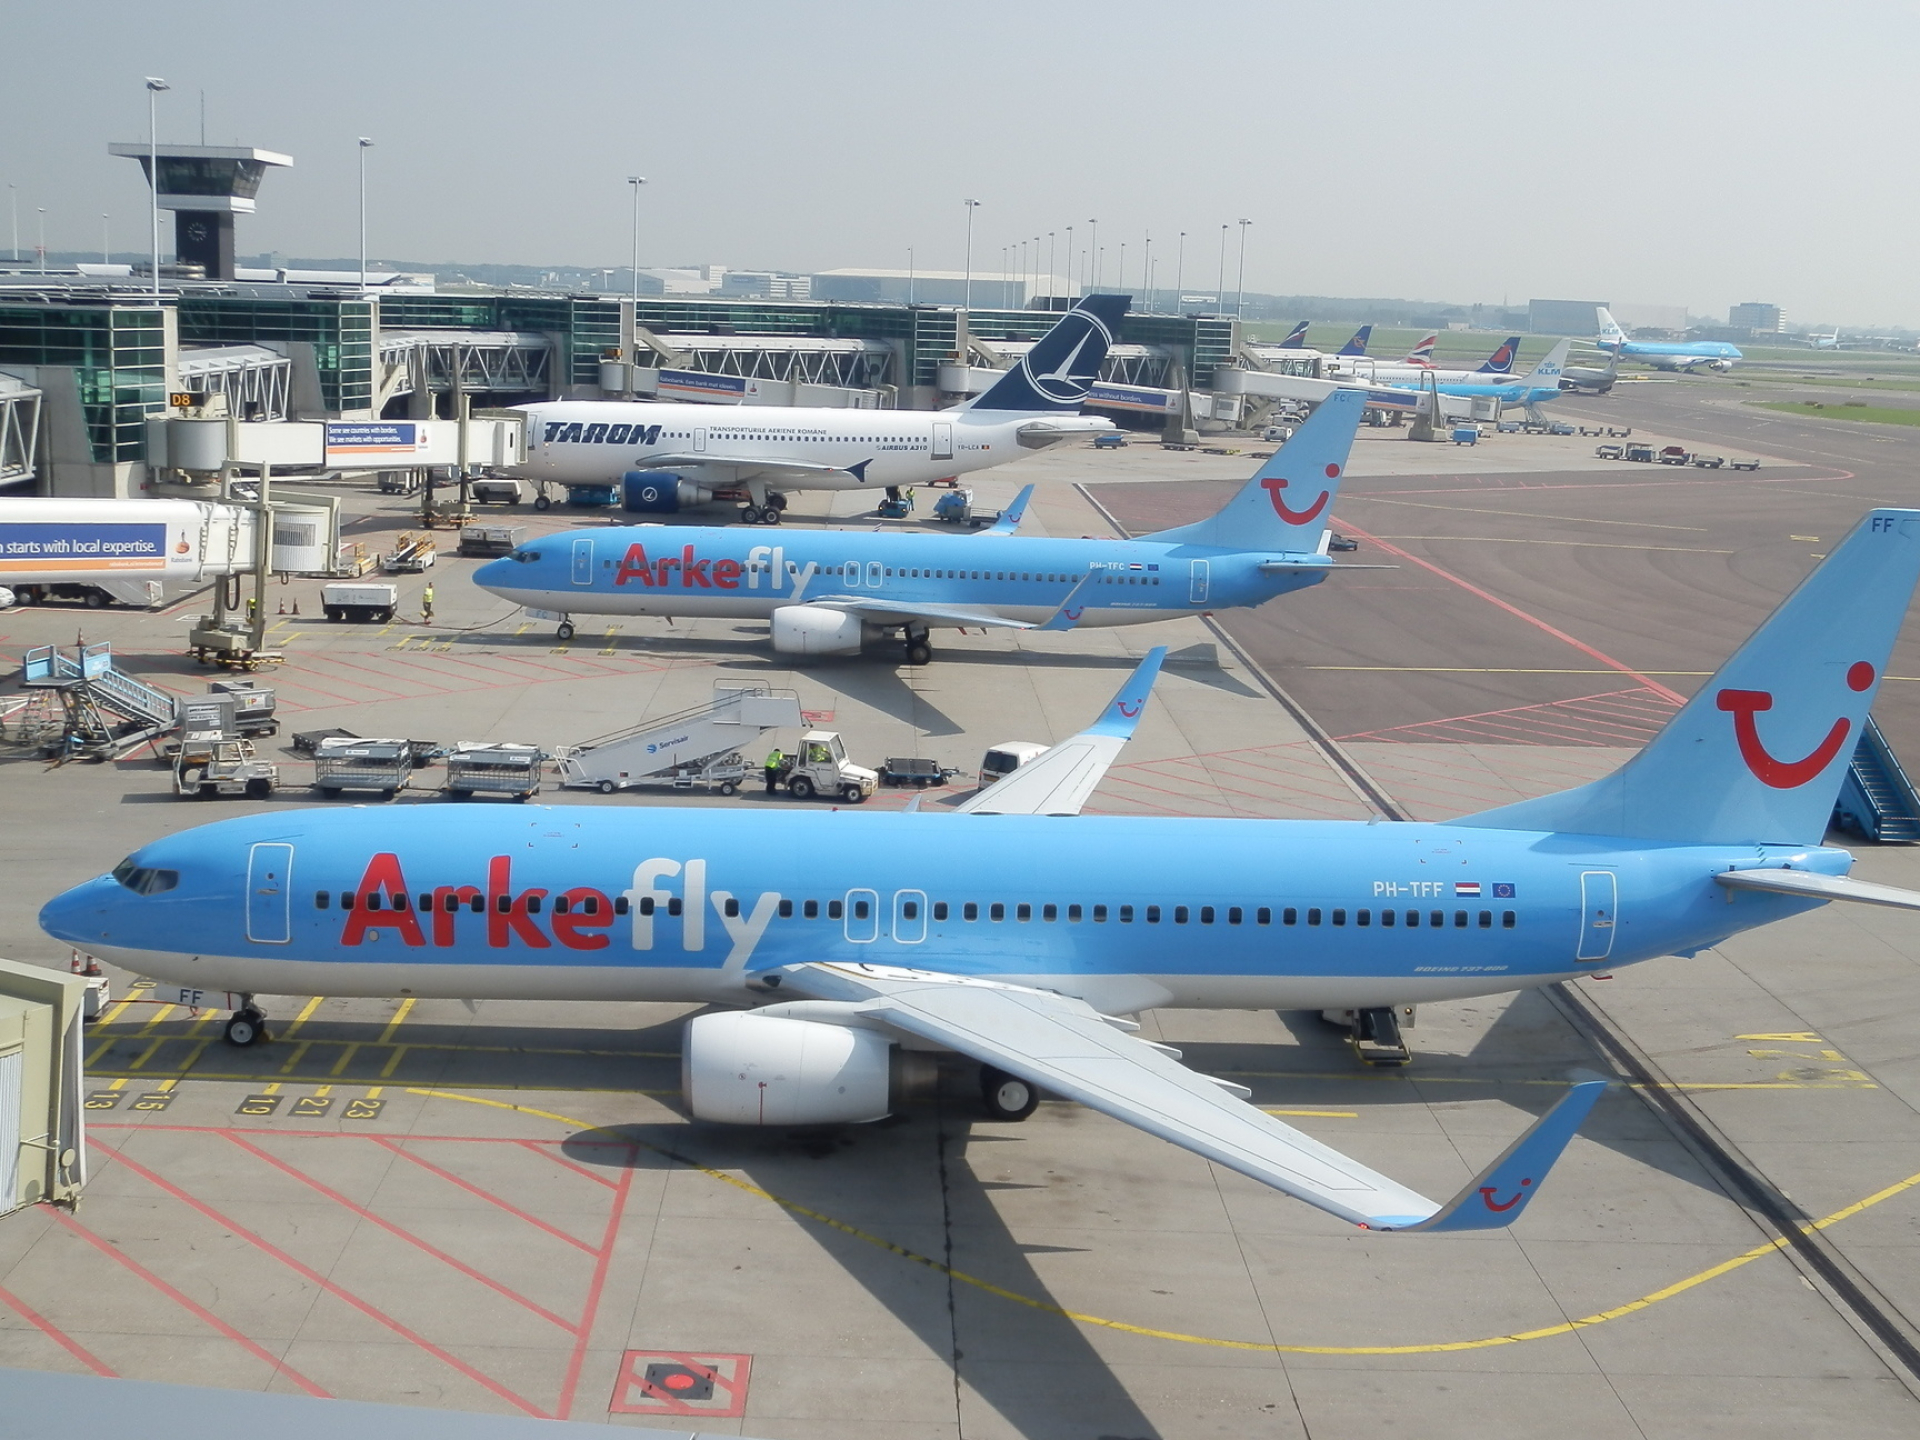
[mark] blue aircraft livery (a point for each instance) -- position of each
(1018, 935)
(826, 592)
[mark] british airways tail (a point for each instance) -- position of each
(1422, 354)
(1288, 503)
(1056, 374)
(1358, 344)
(1501, 361)
(1757, 756)
(1296, 338)
(1609, 332)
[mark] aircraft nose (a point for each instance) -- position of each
(80, 916)
(494, 575)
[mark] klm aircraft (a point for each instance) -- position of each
(1666, 355)
(826, 592)
(838, 946)
(670, 457)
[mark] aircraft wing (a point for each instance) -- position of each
(897, 612)
(743, 466)
(1064, 1045)
(1060, 781)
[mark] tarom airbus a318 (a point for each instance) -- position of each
(664, 457)
(829, 592)
(839, 946)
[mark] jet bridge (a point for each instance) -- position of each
(698, 747)
(19, 429)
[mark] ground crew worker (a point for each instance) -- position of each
(253, 608)
(426, 602)
(775, 763)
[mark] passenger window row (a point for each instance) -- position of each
(467, 898)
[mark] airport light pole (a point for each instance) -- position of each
(1072, 269)
(1240, 285)
(42, 212)
(1122, 284)
(1180, 273)
(1220, 290)
(1146, 273)
(636, 181)
(1093, 254)
(365, 145)
(13, 206)
(154, 86)
(1050, 266)
(106, 246)
(970, 208)
(909, 275)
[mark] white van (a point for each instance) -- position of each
(1007, 757)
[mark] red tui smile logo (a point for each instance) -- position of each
(1743, 705)
(1273, 488)
(1501, 1206)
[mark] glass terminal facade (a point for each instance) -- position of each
(118, 354)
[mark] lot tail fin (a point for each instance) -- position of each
(1358, 344)
(1056, 374)
(1609, 332)
(1501, 361)
(1288, 503)
(1758, 754)
(1422, 354)
(1296, 338)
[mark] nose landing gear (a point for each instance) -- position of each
(247, 1026)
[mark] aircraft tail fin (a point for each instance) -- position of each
(1501, 361)
(1056, 374)
(1296, 338)
(1758, 754)
(1609, 333)
(1358, 344)
(1288, 503)
(1548, 371)
(1422, 354)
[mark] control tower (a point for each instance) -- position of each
(205, 186)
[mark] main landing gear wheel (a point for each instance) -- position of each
(770, 515)
(541, 502)
(247, 1027)
(1008, 1097)
(919, 652)
(800, 788)
(565, 632)
(749, 514)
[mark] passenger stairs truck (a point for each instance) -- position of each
(701, 747)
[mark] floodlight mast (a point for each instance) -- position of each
(636, 181)
(154, 86)
(365, 145)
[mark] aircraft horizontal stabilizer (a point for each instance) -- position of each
(1065, 1046)
(1819, 887)
(1060, 781)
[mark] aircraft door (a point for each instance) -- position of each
(1599, 897)
(909, 916)
(863, 917)
(1199, 580)
(583, 561)
(269, 894)
(699, 437)
(942, 440)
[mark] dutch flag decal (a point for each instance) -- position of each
(1466, 889)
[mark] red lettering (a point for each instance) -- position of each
(568, 923)
(666, 563)
(634, 565)
(693, 572)
(382, 877)
(461, 896)
(512, 918)
(726, 574)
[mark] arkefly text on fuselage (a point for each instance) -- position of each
(665, 457)
(826, 592)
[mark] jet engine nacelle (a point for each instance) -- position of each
(661, 492)
(816, 630)
(741, 1068)
(1723, 366)
(7, 597)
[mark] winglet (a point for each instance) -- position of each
(1010, 517)
(1498, 1196)
(1119, 718)
(1075, 605)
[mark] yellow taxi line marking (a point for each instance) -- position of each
(166, 1085)
(393, 1062)
(273, 1089)
(118, 1084)
(1564, 1327)
(305, 1015)
(158, 1016)
(399, 1016)
(324, 1090)
(293, 1060)
(346, 1058)
(374, 1093)
(112, 1015)
(148, 1053)
(194, 1058)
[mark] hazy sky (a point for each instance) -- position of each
(1694, 153)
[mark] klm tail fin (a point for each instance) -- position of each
(1358, 344)
(1501, 361)
(1056, 374)
(1610, 333)
(1547, 372)
(1296, 338)
(1287, 504)
(1757, 756)
(1422, 354)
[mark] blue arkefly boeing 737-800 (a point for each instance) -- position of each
(827, 591)
(669, 457)
(1020, 940)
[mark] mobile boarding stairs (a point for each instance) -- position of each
(105, 711)
(700, 747)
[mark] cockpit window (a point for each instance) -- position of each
(143, 880)
(524, 556)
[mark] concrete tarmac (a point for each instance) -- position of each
(499, 1207)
